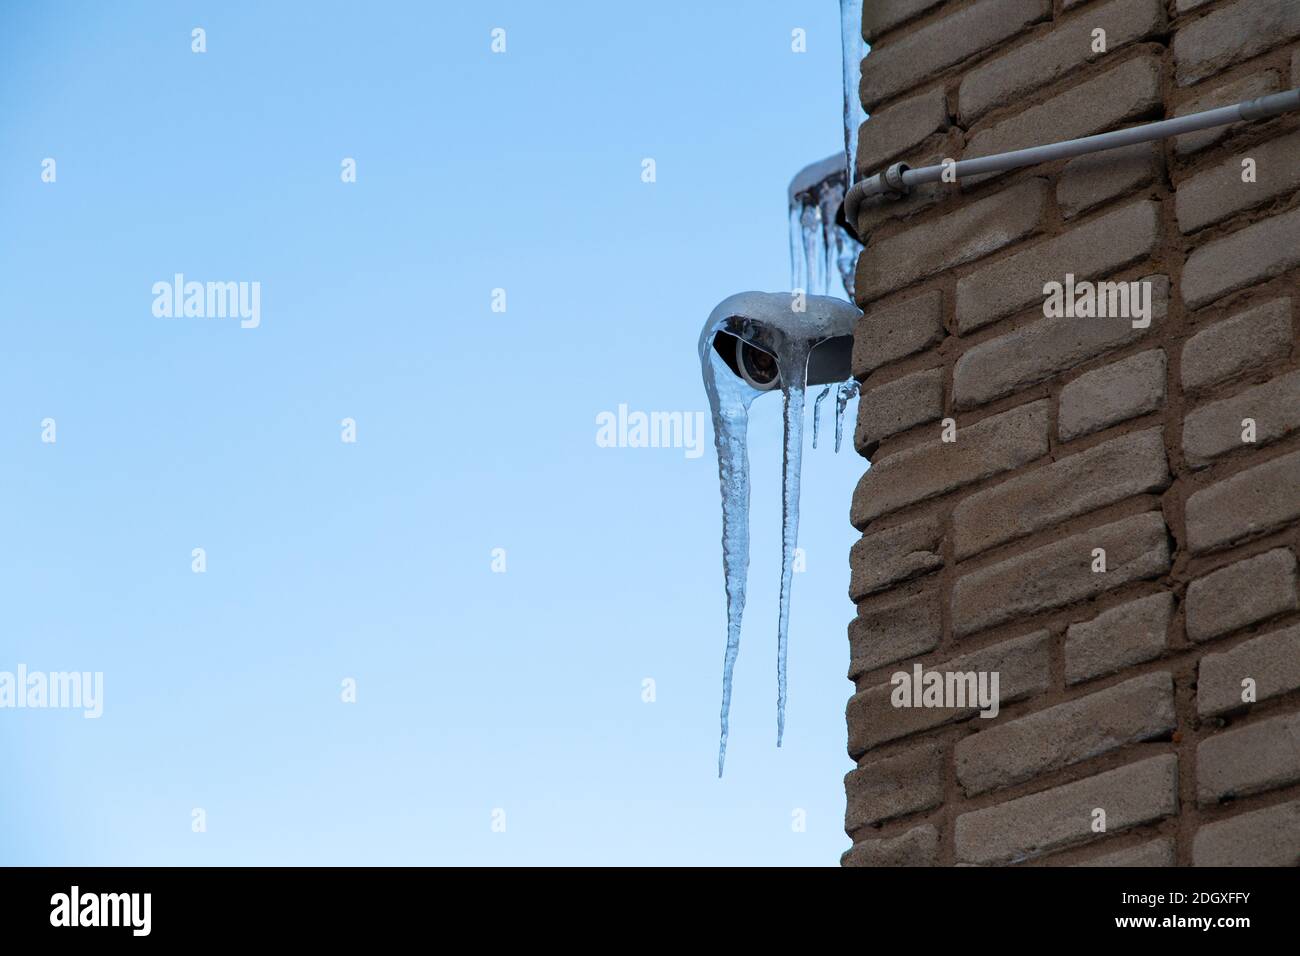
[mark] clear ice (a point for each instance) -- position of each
(851, 59)
(817, 411)
(729, 400)
(792, 360)
(768, 321)
(819, 249)
(843, 394)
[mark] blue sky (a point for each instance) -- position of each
(475, 430)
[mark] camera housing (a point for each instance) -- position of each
(746, 328)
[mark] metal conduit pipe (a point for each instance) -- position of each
(897, 181)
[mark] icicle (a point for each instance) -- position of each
(845, 392)
(820, 248)
(762, 321)
(847, 259)
(729, 400)
(851, 60)
(798, 259)
(826, 251)
(817, 410)
(792, 361)
(810, 224)
(840, 250)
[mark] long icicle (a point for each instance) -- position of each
(792, 361)
(729, 399)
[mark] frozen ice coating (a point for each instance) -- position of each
(851, 58)
(814, 253)
(817, 410)
(729, 399)
(792, 360)
(841, 248)
(742, 337)
(845, 392)
(820, 249)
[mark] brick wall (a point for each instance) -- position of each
(1120, 690)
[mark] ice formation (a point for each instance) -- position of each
(817, 410)
(851, 59)
(822, 253)
(787, 329)
(774, 325)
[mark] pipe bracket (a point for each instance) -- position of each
(892, 185)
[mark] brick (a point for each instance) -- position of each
(887, 334)
(1271, 660)
(1129, 465)
(1022, 665)
(1048, 347)
(1254, 759)
(1132, 795)
(1215, 194)
(1249, 256)
(916, 847)
(1134, 711)
(962, 235)
(1088, 181)
(1060, 573)
(897, 406)
(993, 445)
(880, 16)
(1237, 91)
(1241, 594)
(1255, 337)
(885, 558)
(1055, 54)
(1153, 853)
(1231, 35)
(886, 633)
(897, 129)
(915, 58)
(1129, 91)
(1090, 251)
(1114, 393)
(1216, 429)
(1261, 499)
(1268, 837)
(1121, 637)
(894, 787)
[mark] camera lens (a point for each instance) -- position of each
(756, 367)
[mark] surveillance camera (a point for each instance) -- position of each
(747, 330)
